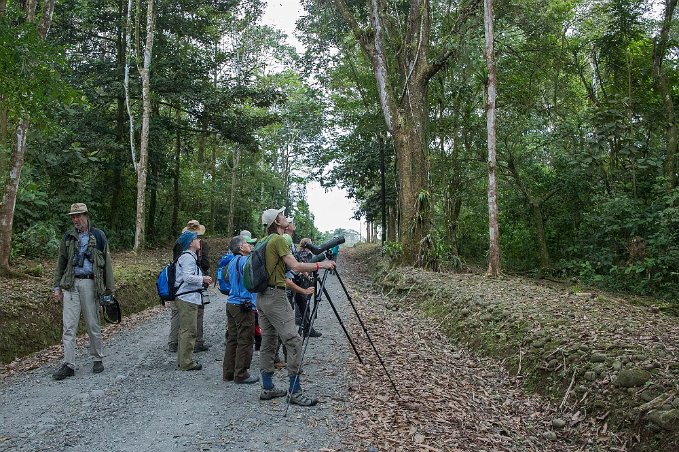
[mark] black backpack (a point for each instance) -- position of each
(255, 276)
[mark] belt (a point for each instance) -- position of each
(90, 276)
(276, 287)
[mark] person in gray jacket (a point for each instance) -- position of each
(189, 281)
(84, 273)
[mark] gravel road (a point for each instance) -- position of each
(142, 403)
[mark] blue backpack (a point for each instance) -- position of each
(166, 281)
(223, 274)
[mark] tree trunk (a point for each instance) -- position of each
(9, 194)
(493, 227)
(232, 196)
(213, 188)
(391, 228)
(153, 199)
(145, 73)
(659, 50)
(453, 207)
(119, 159)
(174, 225)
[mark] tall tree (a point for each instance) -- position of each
(491, 84)
(142, 165)
(17, 158)
(402, 88)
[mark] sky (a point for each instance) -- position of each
(333, 209)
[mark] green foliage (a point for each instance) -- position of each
(393, 251)
(40, 240)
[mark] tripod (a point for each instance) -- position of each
(319, 283)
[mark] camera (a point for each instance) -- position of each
(79, 258)
(106, 300)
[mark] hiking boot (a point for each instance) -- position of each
(172, 348)
(97, 367)
(268, 394)
(63, 372)
(195, 366)
(200, 348)
(227, 377)
(314, 333)
(247, 381)
(301, 399)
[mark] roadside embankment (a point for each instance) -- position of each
(611, 368)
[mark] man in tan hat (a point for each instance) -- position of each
(204, 264)
(84, 273)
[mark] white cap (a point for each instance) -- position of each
(269, 216)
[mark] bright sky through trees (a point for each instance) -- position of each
(331, 210)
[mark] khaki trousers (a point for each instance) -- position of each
(276, 318)
(172, 339)
(81, 297)
(187, 333)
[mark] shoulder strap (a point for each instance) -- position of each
(99, 238)
(238, 269)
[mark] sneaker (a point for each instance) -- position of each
(98, 367)
(63, 372)
(247, 381)
(315, 333)
(268, 394)
(172, 348)
(200, 348)
(301, 399)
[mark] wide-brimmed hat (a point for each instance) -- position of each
(78, 207)
(194, 226)
(269, 216)
(247, 235)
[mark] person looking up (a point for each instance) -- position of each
(275, 313)
(240, 317)
(189, 281)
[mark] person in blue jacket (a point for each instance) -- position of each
(240, 318)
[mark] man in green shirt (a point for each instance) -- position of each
(276, 317)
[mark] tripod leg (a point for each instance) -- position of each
(339, 319)
(346, 292)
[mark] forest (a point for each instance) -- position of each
(542, 134)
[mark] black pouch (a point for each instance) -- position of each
(246, 306)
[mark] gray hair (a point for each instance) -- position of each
(236, 243)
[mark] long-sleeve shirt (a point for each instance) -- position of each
(238, 293)
(189, 278)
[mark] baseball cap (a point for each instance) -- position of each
(269, 216)
(247, 235)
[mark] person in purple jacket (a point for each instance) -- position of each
(240, 318)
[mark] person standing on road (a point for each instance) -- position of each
(204, 263)
(240, 317)
(275, 313)
(189, 281)
(84, 273)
